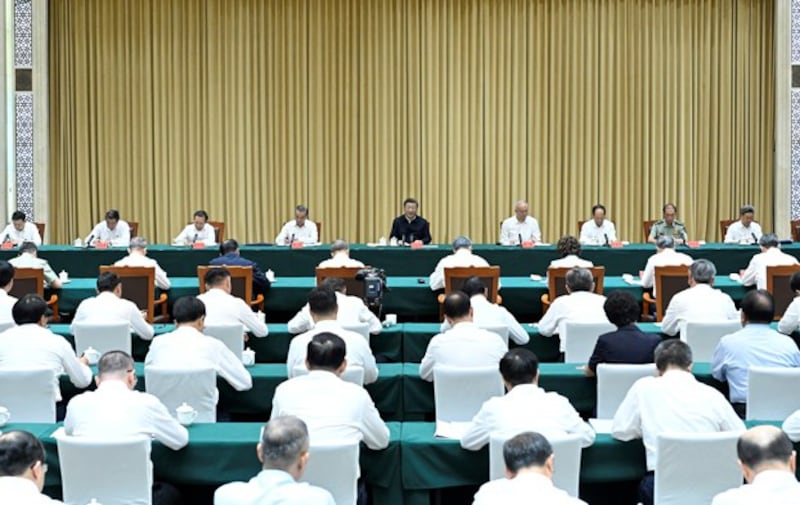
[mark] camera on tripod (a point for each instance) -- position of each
(374, 286)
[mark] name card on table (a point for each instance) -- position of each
(198, 245)
(616, 244)
(7, 245)
(297, 244)
(528, 244)
(417, 244)
(694, 244)
(101, 244)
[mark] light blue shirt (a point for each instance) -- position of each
(753, 345)
(272, 487)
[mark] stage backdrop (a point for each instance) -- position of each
(247, 108)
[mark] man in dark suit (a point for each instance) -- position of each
(410, 226)
(229, 255)
(626, 345)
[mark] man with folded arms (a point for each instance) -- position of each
(745, 230)
(20, 231)
(113, 231)
(198, 231)
(109, 307)
(351, 310)
(22, 470)
(224, 308)
(462, 257)
(137, 257)
(770, 256)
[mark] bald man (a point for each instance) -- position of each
(520, 227)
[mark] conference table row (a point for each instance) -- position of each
(415, 462)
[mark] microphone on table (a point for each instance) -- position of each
(291, 239)
(607, 244)
(89, 241)
(755, 239)
(411, 238)
(194, 239)
(7, 238)
(519, 236)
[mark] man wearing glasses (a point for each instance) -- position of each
(22, 469)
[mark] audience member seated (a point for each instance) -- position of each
(569, 250)
(352, 310)
(300, 229)
(113, 231)
(6, 284)
(29, 258)
(700, 303)
(526, 407)
(229, 255)
(22, 470)
(198, 231)
(109, 307)
(334, 410)
(791, 426)
(19, 230)
(486, 313)
(224, 308)
(767, 458)
(32, 345)
(283, 453)
(137, 257)
(462, 257)
(598, 230)
(672, 402)
(665, 256)
(628, 344)
(745, 230)
(324, 309)
(410, 226)
(520, 227)
(754, 345)
(790, 321)
(340, 257)
(770, 256)
(529, 473)
(464, 345)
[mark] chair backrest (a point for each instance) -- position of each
(669, 280)
(134, 227)
(195, 386)
(27, 281)
(778, 278)
(795, 227)
(693, 467)
(29, 395)
(455, 277)
(566, 460)
(498, 329)
(348, 275)
(241, 280)
(613, 383)
(138, 286)
(219, 230)
(772, 393)
(459, 393)
(557, 280)
(703, 336)
(580, 226)
(232, 335)
(102, 337)
(114, 471)
(40, 227)
(647, 226)
(360, 328)
(723, 227)
(353, 373)
(580, 338)
(334, 468)
(319, 231)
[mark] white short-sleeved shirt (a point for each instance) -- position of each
(486, 313)
(701, 303)
(120, 236)
(224, 308)
(756, 272)
(272, 487)
(738, 233)
(107, 307)
(769, 487)
(668, 257)
(521, 490)
(140, 260)
(340, 260)
(580, 306)
(352, 311)
(512, 229)
(571, 261)
(190, 234)
(460, 258)
(29, 233)
(464, 345)
(22, 491)
(306, 234)
(591, 234)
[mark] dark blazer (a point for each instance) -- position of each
(418, 229)
(260, 282)
(626, 345)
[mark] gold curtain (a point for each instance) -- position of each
(246, 108)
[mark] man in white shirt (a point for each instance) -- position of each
(283, 453)
(19, 230)
(112, 231)
(462, 257)
(665, 256)
(351, 310)
(486, 313)
(29, 258)
(580, 304)
(109, 307)
(598, 230)
(340, 257)
(324, 308)
(770, 256)
(745, 230)
(223, 308)
(791, 317)
(700, 303)
(137, 257)
(31, 345)
(791, 426)
(520, 227)
(299, 229)
(526, 407)
(116, 409)
(198, 231)
(6, 301)
(767, 459)
(673, 401)
(22, 470)
(569, 250)
(464, 345)
(529, 470)
(334, 410)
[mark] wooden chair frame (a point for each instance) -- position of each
(647, 226)
(134, 227)
(795, 226)
(37, 276)
(237, 272)
(219, 230)
(463, 273)
(660, 302)
(152, 303)
(723, 227)
(348, 274)
(40, 227)
(773, 274)
(554, 273)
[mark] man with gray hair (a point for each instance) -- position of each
(580, 304)
(520, 227)
(137, 257)
(283, 453)
(745, 230)
(300, 229)
(340, 257)
(666, 256)
(770, 256)
(701, 302)
(462, 257)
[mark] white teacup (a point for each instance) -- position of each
(63, 276)
(393, 241)
(382, 241)
(270, 275)
(186, 414)
(627, 277)
(391, 319)
(78, 242)
(248, 357)
(5, 415)
(92, 354)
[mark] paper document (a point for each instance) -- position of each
(451, 429)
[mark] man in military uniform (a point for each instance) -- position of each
(668, 226)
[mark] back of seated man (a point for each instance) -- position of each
(29, 258)
(334, 410)
(109, 307)
(352, 310)
(137, 257)
(465, 345)
(569, 250)
(6, 284)
(529, 473)
(665, 256)
(230, 255)
(486, 313)
(224, 308)
(340, 257)
(770, 256)
(324, 309)
(462, 257)
(283, 453)
(20, 230)
(525, 407)
(22, 470)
